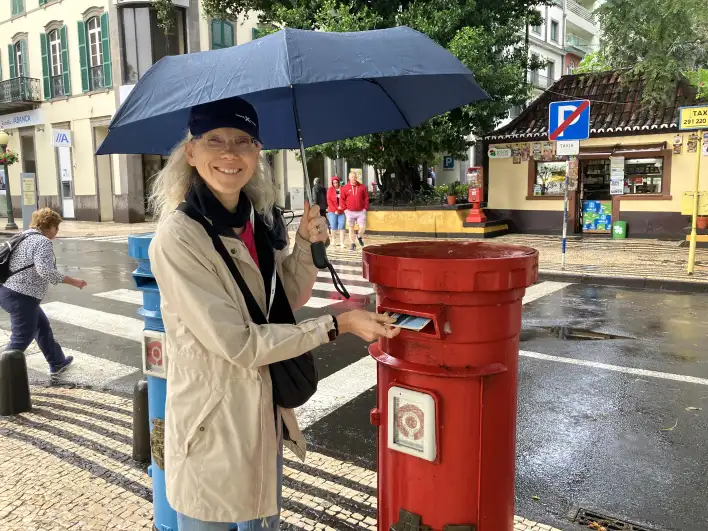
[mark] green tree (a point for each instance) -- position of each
(657, 40)
(487, 35)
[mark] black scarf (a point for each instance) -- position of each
(267, 240)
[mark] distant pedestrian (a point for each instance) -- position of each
(34, 267)
(354, 200)
(319, 196)
(335, 214)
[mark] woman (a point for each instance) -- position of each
(335, 215)
(223, 434)
(35, 268)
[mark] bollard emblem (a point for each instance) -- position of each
(154, 358)
(411, 422)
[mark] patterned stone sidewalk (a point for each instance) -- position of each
(70, 467)
(630, 259)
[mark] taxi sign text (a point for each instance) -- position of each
(694, 117)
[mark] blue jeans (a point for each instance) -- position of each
(28, 322)
(336, 221)
(271, 523)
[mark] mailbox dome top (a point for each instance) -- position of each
(450, 266)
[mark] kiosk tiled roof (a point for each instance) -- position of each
(616, 107)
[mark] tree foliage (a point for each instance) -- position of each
(486, 35)
(658, 40)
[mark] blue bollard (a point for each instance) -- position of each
(154, 366)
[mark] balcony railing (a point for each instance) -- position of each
(540, 81)
(20, 90)
(575, 7)
(577, 42)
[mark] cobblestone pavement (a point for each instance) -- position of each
(71, 468)
(652, 259)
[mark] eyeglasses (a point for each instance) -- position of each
(241, 144)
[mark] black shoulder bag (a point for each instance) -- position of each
(294, 380)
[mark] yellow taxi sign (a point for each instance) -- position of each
(694, 117)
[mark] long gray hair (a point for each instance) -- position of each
(173, 182)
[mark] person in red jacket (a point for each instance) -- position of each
(335, 215)
(354, 200)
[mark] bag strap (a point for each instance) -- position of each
(253, 309)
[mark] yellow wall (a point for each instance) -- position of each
(508, 182)
(417, 221)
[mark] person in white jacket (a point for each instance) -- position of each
(223, 433)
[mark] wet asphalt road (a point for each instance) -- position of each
(618, 443)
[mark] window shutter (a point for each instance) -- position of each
(217, 34)
(106, 52)
(23, 49)
(11, 53)
(65, 61)
(42, 2)
(45, 66)
(254, 34)
(228, 35)
(83, 57)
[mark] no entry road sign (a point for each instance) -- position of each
(569, 120)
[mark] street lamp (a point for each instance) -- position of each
(4, 140)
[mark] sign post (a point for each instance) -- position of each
(694, 118)
(568, 124)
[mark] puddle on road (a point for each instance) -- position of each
(567, 333)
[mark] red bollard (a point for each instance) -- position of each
(446, 396)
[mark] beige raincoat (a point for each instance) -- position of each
(220, 433)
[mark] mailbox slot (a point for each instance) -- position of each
(434, 312)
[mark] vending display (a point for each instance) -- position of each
(597, 216)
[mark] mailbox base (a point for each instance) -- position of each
(413, 522)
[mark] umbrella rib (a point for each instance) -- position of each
(392, 101)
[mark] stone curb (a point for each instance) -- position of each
(687, 286)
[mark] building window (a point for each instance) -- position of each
(643, 176)
(18, 7)
(569, 69)
(17, 55)
(554, 31)
(145, 41)
(19, 60)
(550, 179)
(55, 63)
(551, 72)
(95, 53)
(537, 29)
(56, 70)
(222, 34)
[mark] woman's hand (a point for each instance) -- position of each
(367, 325)
(313, 227)
(77, 283)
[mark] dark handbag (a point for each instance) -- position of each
(294, 380)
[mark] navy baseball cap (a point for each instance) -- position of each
(235, 113)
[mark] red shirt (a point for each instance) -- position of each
(354, 198)
(249, 240)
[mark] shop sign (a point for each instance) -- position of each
(61, 138)
(694, 117)
(448, 163)
(616, 175)
(567, 147)
(21, 119)
(499, 153)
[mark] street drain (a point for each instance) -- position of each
(567, 332)
(602, 522)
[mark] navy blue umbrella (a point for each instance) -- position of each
(308, 87)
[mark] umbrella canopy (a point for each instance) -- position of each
(340, 85)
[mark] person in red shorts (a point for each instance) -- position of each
(354, 200)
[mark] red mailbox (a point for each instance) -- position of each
(446, 396)
(475, 181)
